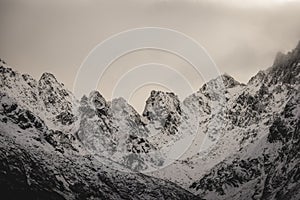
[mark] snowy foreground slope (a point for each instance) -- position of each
(226, 141)
(31, 168)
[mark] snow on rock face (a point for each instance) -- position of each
(163, 110)
(98, 102)
(246, 117)
(252, 132)
(95, 126)
(45, 97)
(114, 130)
(229, 81)
(31, 169)
(127, 118)
(109, 128)
(267, 170)
(258, 78)
(267, 166)
(163, 115)
(57, 100)
(23, 88)
(37, 162)
(10, 110)
(286, 68)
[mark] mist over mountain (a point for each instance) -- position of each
(238, 141)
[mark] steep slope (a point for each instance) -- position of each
(46, 97)
(163, 117)
(226, 141)
(207, 117)
(40, 163)
(268, 169)
(114, 130)
(268, 166)
(32, 171)
(244, 120)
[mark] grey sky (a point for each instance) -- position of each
(242, 36)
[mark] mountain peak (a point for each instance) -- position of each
(120, 104)
(162, 96)
(258, 78)
(94, 94)
(229, 81)
(119, 100)
(221, 81)
(286, 67)
(4, 69)
(161, 104)
(97, 99)
(48, 78)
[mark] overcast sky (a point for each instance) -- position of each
(241, 36)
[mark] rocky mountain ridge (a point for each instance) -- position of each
(228, 134)
(267, 164)
(42, 158)
(249, 115)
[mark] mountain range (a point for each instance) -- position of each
(228, 140)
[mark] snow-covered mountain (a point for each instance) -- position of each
(226, 141)
(45, 151)
(266, 165)
(257, 153)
